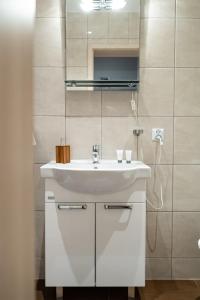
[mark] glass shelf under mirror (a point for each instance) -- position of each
(119, 84)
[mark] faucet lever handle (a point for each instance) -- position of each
(96, 148)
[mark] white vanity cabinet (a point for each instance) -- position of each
(120, 244)
(70, 244)
(95, 223)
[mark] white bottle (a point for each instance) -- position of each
(119, 155)
(128, 156)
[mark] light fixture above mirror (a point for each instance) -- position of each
(89, 5)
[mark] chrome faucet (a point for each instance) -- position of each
(95, 154)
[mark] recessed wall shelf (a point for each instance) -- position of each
(131, 84)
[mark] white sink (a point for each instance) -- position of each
(106, 177)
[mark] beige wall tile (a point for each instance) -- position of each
(50, 8)
(158, 8)
(159, 184)
(157, 50)
(98, 25)
(76, 52)
(187, 92)
(39, 188)
(110, 42)
(84, 133)
(118, 25)
(49, 48)
(49, 91)
(159, 231)
(134, 25)
(39, 234)
(156, 92)
(67, 130)
(84, 103)
(117, 134)
(186, 234)
(187, 43)
(134, 43)
(187, 140)
(76, 25)
(188, 9)
(186, 188)
(117, 103)
(78, 73)
(121, 41)
(158, 268)
(39, 269)
(96, 43)
(148, 148)
(48, 131)
(186, 268)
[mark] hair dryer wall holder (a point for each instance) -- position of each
(138, 131)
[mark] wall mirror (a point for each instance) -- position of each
(102, 42)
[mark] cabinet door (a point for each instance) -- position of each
(70, 244)
(120, 244)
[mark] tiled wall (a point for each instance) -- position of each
(169, 97)
(49, 102)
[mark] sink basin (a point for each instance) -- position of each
(106, 177)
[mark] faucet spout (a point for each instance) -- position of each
(95, 154)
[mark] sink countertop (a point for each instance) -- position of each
(88, 166)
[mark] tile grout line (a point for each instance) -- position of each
(50, 17)
(168, 68)
(174, 99)
(174, 257)
(106, 116)
(141, 67)
(138, 89)
(171, 18)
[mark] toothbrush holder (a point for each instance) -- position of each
(63, 154)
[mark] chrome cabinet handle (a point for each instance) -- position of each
(84, 206)
(117, 206)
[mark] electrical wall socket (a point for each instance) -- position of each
(157, 134)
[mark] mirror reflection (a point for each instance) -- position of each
(102, 40)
